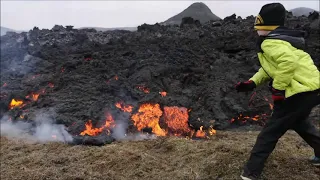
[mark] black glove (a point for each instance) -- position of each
(245, 86)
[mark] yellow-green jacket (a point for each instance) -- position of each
(290, 68)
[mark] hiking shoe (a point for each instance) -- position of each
(247, 176)
(315, 161)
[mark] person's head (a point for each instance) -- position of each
(270, 17)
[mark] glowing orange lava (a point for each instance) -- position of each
(109, 121)
(124, 107)
(15, 103)
(270, 104)
(144, 89)
(212, 131)
(176, 120)
(163, 93)
(256, 118)
(90, 130)
(200, 133)
(109, 124)
(34, 96)
(148, 116)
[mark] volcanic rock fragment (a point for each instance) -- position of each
(92, 140)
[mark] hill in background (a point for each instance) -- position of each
(111, 29)
(198, 11)
(300, 11)
(4, 30)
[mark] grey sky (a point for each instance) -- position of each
(24, 15)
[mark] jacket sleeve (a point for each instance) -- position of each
(260, 77)
(286, 62)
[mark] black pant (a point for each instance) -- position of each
(290, 114)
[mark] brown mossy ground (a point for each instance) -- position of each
(221, 157)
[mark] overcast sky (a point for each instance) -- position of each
(24, 15)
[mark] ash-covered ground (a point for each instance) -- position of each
(81, 74)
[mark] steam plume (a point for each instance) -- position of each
(41, 130)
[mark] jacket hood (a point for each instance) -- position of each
(294, 37)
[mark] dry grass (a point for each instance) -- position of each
(165, 158)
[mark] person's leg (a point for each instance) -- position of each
(282, 119)
(304, 126)
(309, 133)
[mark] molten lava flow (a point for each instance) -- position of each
(109, 121)
(200, 133)
(124, 107)
(144, 89)
(109, 124)
(15, 103)
(51, 85)
(34, 96)
(244, 119)
(91, 131)
(270, 104)
(163, 93)
(148, 116)
(212, 131)
(256, 118)
(176, 119)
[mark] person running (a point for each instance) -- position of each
(294, 82)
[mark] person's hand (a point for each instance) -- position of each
(245, 86)
(278, 95)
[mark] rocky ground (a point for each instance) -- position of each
(81, 74)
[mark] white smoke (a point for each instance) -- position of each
(119, 132)
(41, 130)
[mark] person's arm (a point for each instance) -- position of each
(260, 77)
(286, 60)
